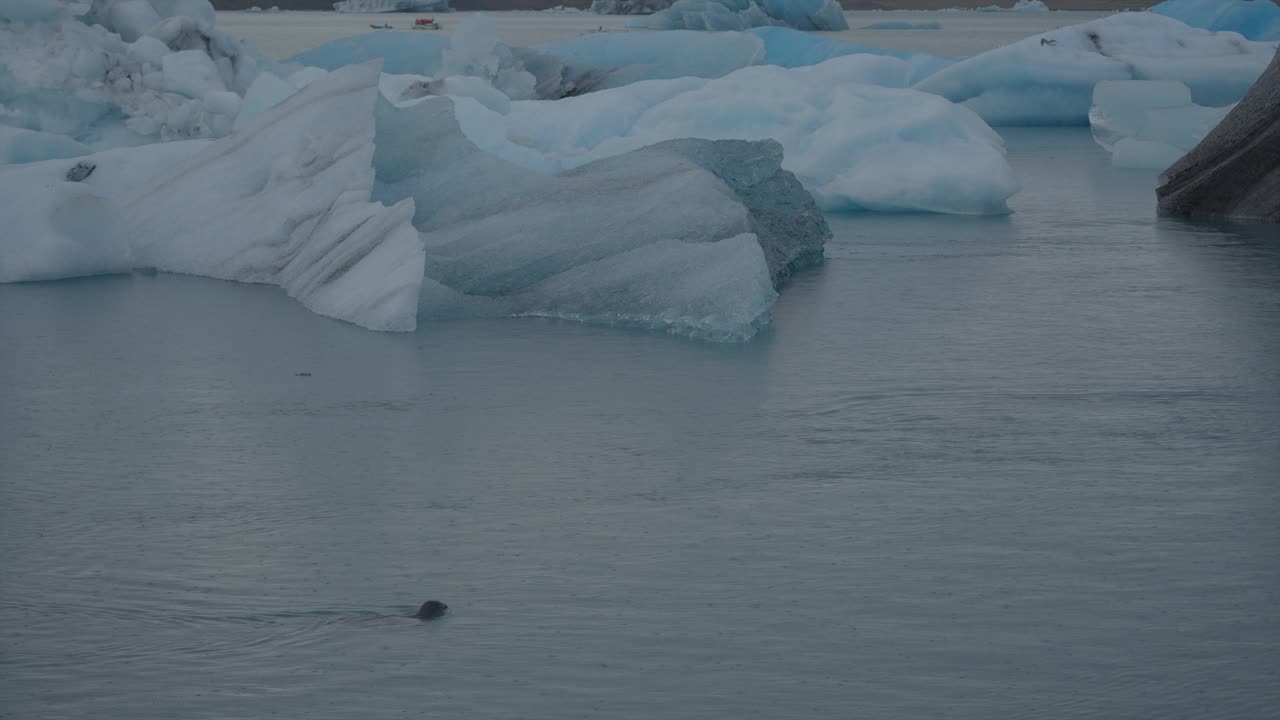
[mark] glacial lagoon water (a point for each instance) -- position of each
(1023, 466)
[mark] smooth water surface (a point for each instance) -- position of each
(979, 468)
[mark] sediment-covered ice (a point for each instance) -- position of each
(744, 14)
(1233, 172)
(384, 6)
(608, 60)
(1048, 79)
(854, 144)
(1149, 123)
(1254, 19)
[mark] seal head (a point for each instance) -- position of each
(431, 610)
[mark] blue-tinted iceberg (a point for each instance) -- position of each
(473, 50)
(1149, 123)
(688, 237)
(1048, 79)
(1254, 19)
(854, 144)
(744, 14)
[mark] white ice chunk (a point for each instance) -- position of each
(854, 146)
(191, 73)
(18, 145)
(1048, 79)
(265, 92)
(1149, 123)
(286, 201)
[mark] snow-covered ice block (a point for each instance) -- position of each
(473, 50)
(685, 237)
(1254, 19)
(854, 145)
(1048, 79)
(1120, 107)
(285, 201)
(744, 14)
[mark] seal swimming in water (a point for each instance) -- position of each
(431, 610)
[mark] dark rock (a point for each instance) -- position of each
(1235, 171)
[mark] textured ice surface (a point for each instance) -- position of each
(286, 201)
(1149, 123)
(68, 76)
(686, 237)
(377, 6)
(1048, 79)
(1254, 19)
(854, 145)
(744, 14)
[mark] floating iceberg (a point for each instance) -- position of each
(1148, 123)
(854, 144)
(599, 60)
(1254, 19)
(689, 237)
(1048, 79)
(385, 6)
(1233, 172)
(285, 201)
(744, 14)
(473, 50)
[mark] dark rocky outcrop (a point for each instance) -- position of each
(1235, 171)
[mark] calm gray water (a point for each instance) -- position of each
(980, 468)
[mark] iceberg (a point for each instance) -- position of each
(744, 14)
(386, 6)
(23, 146)
(1148, 123)
(600, 61)
(1254, 19)
(473, 50)
(1048, 79)
(689, 237)
(1234, 172)
(853, 144)
(284, 201)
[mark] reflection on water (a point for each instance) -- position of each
(979, 467)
